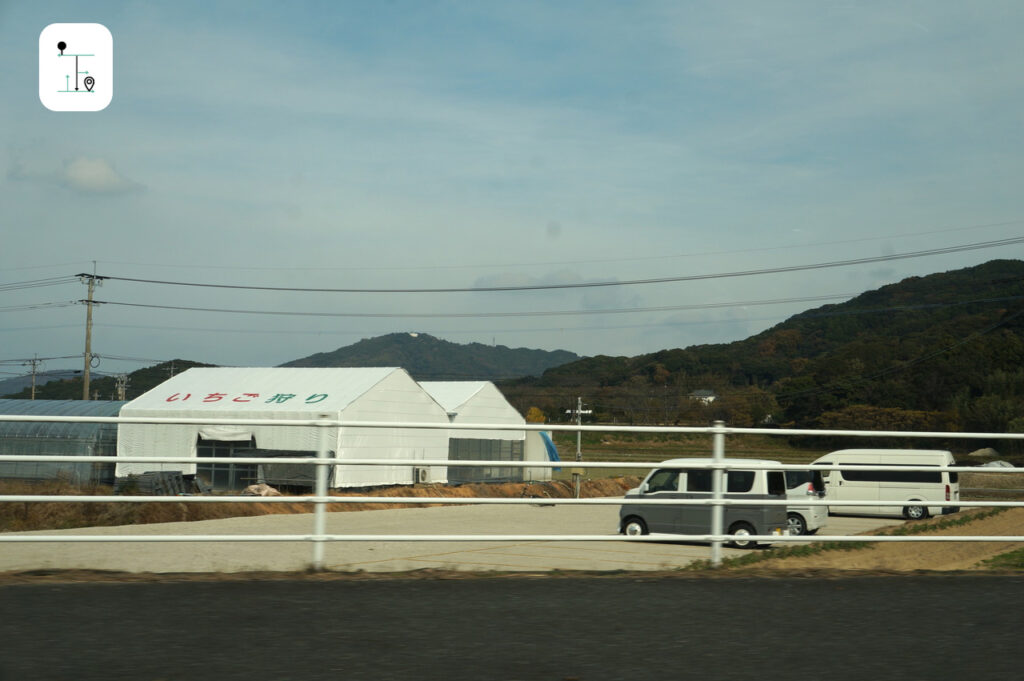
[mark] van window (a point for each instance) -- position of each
(663, 481)
(736, 482)
(890, 476)
(776, 482)
(954, 476)
(698, 480)
(798, 478)
(740, 482)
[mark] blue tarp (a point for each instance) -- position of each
(551, 449)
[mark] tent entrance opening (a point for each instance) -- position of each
(226, 476)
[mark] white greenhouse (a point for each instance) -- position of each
(472, 402)
(271, 394)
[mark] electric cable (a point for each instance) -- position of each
(591, 284)
(463, 315)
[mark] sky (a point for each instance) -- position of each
(403, 146)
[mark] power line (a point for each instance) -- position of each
(41, 359)
(37, 283)
(788, 247)
(39, 267)
(463, 315)
(41, 328)
(592, 284)
(118, 358)
(37, 306)
(603, 327)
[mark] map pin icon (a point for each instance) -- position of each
(89, 82)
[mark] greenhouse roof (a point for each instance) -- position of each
(75, 431)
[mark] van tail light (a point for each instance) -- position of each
(810, 488)
(947, 492)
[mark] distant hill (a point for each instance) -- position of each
(16, 385)
(105, 387)
(428, 358)
(940, 351)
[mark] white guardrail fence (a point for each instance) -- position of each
(318, 535)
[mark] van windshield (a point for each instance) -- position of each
(664, 480)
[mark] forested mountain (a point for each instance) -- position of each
(19, 383)
(936, 352)
(428, 358)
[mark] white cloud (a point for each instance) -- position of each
(88, 175)
(95, 176)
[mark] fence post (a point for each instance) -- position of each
(717, 489)
(320, 505)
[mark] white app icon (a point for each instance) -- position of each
(76, 67)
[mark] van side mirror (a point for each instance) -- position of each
(643, 488)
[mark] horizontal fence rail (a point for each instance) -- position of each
(320, 500)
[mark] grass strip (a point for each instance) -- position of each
(1011, 560)
(800, 551)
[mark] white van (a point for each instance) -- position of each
(910, 491)
(803, 486)
(678, 479)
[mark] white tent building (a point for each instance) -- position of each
(473, 402)
(351, 394)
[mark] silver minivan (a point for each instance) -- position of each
(679, 479)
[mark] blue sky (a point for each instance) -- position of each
(459, 144)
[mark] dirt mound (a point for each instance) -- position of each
(555, 489)
(911, 557)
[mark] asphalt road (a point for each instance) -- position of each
(905, 628)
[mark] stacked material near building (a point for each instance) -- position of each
(480, 402)
(274, 394)
(30, 438)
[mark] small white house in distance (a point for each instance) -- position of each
(271, 394)
(473, 402)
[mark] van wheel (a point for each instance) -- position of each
(740, 533)
(915, 512)
(797, 524)
(634, 527)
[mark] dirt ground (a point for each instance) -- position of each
(909, 557)
(24, 517)
(876, 559)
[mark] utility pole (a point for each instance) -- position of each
(122, 386)
(35, 363)
(90, 280)
(579, 411)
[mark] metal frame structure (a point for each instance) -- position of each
(318, 536)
